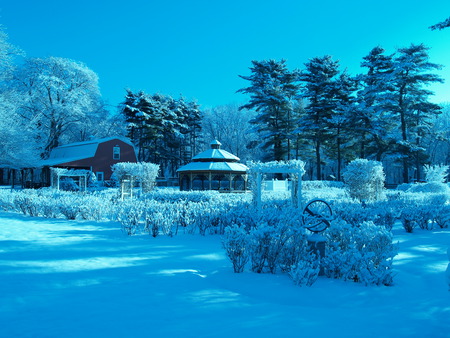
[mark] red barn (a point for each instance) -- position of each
(96, 155)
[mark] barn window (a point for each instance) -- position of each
(100, 176)
(116, 153)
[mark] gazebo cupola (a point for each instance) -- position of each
(214, 169)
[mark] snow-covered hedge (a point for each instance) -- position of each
(436, 173)
(361, 253)
(142, 172)
(365, 180)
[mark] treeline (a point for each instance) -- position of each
(326, 117)
(164, 130)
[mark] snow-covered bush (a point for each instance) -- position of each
(385, 213)
(442, 216)
(306, 271)
(142, 172)
(6, 199)
(430, 188)
(235, 243)
(129, 215)
(352, 212)
(27, 203)
(68, 184)
(360, 254)
(421, 210)
(435, 178)
(365, 180)
(265, 248)
(161, 218)
(275, 239)
(436, 173)
(70, 205)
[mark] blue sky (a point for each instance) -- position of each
(198, 48)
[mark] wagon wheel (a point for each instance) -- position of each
(317, 215)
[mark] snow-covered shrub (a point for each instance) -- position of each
(420, 209)
(6, 199)
(436, 173)
(142, 172)
(161, 218)
(321, 185)
(306, 271)
(430, 187)
(360, 254)
(277, 240)
(49, 207)
(94, 207)
(385, 213)
(442, 216)
(129, 215)
(68, 184)
(235, 243)
(27, 201)
(365, 180)
(92, 180)
(352, 212)
(408, 218)
(147, 177)
(70, 205)
(264, 248)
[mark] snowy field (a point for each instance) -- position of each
(62, 278)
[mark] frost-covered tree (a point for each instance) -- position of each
(232, 128)
(7, 54)
(341, 146)
(441, 25)
(411, 106)
(319, 89)
(16, 140)
(17, 146)
(372, 120)
(164, 130)
(273, 90)
(55, 94)
(439, 146)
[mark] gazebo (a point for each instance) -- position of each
(214, 169)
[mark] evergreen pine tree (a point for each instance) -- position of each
(410, 104)
(273, 88)
(372, 120)
(319, 89)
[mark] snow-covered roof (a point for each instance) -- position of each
(215, 155)
(214, 159)
(214, 166)
(77, 151)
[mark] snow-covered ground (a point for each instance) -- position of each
(63, 278)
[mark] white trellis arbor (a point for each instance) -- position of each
(295, 168)
(79, 175)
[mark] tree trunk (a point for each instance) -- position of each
(318, 160)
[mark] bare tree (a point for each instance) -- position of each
(232, 128)
(56, 94)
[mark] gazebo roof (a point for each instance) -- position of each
(214, 159)
(213, 166)
(215, 154)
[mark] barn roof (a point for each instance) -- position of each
(78, 151)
